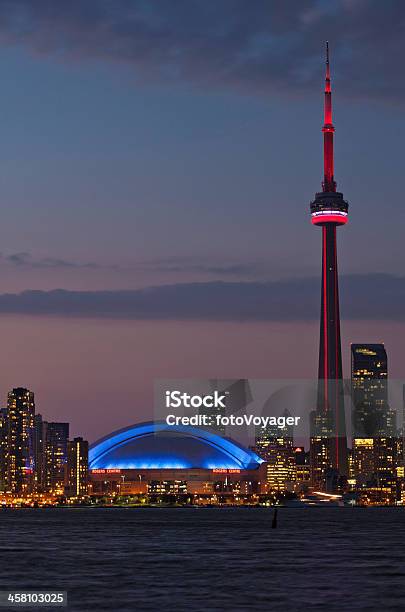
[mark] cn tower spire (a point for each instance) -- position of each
(328, 183)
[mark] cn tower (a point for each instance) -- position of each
(329, 211)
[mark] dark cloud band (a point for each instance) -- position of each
(375, 296)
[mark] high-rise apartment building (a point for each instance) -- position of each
(51, 439)
(20, 461)
(77, 468)
(56, 436)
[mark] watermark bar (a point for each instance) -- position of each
(37, 599)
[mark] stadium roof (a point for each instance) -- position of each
(160, 446)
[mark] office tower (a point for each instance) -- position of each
(276, 446)
(375, 444)
(371, 413)
(56, 436)
(77, 467)
(329, 211)
(20, 441)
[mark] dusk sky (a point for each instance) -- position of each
(161, 144)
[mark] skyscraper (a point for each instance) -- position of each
(375, 443)
(329, 210)
(51, 441)
(371, 414)
(77, 467)
(56, 436)
(276, 446)
(20, 459)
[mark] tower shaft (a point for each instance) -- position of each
(330, 357)
(330, 385)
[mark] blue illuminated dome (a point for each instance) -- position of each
(161, 446)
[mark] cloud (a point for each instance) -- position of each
(265, 46)
(24, 258)
(373, 297)
(176, 264)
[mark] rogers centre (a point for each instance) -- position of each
(155, 458)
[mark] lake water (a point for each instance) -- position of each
(208, 559)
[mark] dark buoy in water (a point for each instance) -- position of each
(274, 523)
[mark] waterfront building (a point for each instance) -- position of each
(371, 414)
(20, 455)
(77, 468)
(374, 432)
(276, 446)
(56, 437)
(50, 443)
(158, 459)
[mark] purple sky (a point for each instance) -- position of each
(149, 144)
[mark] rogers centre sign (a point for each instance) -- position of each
(102, 471)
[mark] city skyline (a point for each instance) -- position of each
(37, 456)
(120, 173)
(202, 304)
